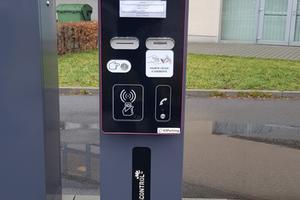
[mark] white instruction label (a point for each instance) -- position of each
(166, 131)
(159, 64)
(143, 9)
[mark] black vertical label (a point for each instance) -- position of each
(141, 173)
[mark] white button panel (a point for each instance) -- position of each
(119, 66)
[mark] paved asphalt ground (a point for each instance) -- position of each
(203, 178)
(246, 50)
(72, 197)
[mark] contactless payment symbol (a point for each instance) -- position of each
(128, 99)
(128, 102)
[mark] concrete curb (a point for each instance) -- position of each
(78, 91)
(201, 93)
(243, 93)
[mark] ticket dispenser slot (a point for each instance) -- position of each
(160, 43)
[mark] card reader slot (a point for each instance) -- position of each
(130, 43)
(124, 43)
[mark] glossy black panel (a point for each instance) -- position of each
(142, 28)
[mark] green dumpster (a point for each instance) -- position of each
(74, 12)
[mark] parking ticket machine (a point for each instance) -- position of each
(142, 84)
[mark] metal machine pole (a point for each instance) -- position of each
(29, 111)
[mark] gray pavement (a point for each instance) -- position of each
(245, 149)
(72, 197)
(247, 50)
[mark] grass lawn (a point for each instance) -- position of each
(79, 69)
(204, 72)
(223, 72)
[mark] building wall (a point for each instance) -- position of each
(204, 22)
(204, 18)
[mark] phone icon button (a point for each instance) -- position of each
(163, 95)
(162, 102)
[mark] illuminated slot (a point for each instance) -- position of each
(125, 43)
(160, 43)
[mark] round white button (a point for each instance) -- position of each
(119, 66)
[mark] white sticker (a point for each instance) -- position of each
(166, 131)
(159, 64)
(143, 9)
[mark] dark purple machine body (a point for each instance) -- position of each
(142, 84)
